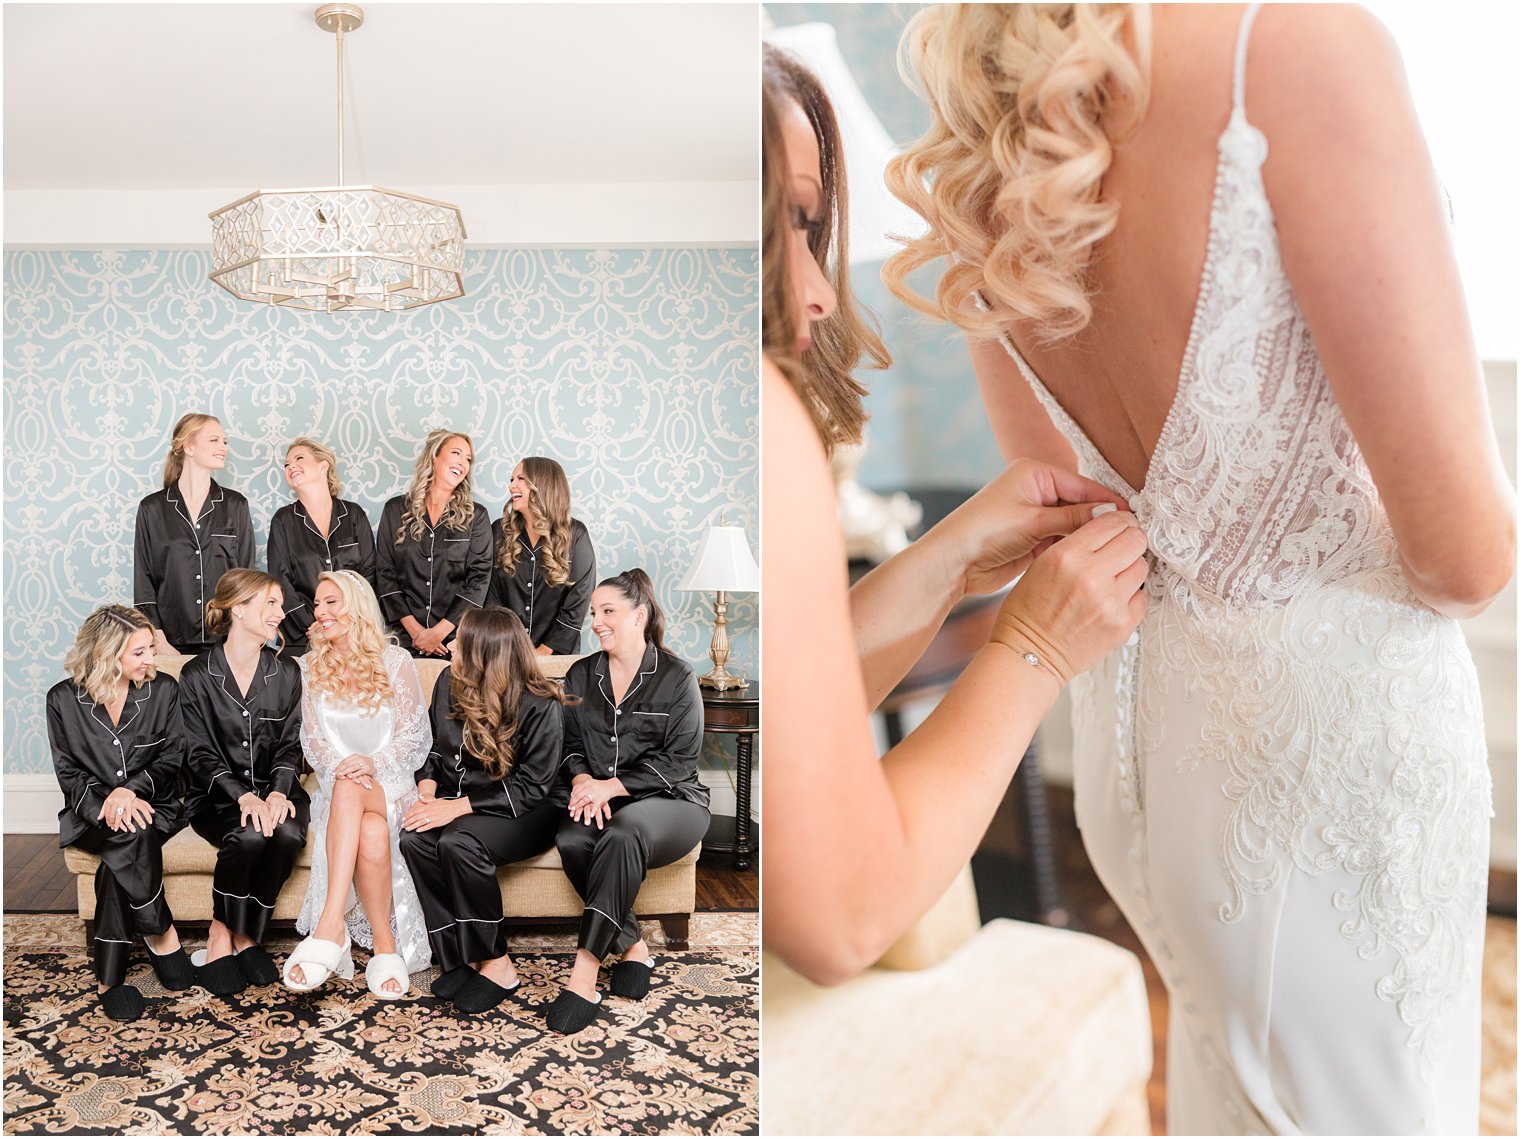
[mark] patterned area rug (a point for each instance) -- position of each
(683, 1061)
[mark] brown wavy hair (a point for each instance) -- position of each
(236, 587)
(94, 661)
(494, 666)
(461, 506)
(549, 499)
(1028, 102)
(359, 673)
(824, 375)
(184, 431)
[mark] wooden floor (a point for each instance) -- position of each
(37, 882)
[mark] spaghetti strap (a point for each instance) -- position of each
(1240, 57)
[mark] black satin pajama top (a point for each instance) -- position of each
(298, 553)
(436, 577)
(552, 614)
(178, 560)
(93, 757)
(536, 749)
(235, 743)
(651, 741)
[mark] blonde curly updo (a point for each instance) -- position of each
(1028, 101)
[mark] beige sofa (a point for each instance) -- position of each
(963, 1029)
(534, 891)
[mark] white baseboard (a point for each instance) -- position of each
(32, 802)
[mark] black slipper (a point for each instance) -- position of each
(257, 966)
(571, 1012)
(173, 968)
(630, 979)
(480, 994)
(222, 976)
(122, 1002)
(448, 984)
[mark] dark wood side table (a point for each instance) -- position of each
(735, 712)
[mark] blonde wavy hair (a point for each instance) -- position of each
(94, 661)
(1028, 102)
(494, 667)
(184, 431)
(549, 500)
(321, 454)
(358, 674)
(461, 507)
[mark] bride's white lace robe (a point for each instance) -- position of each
(1282, 779)
(403, 752)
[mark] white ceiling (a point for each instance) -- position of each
(124, 97)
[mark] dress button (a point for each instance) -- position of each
(612, 739)
(245, 713)
(197, 577)
(619, 712)
(120, 772)
(245, 743)
(115, 743)
(329, 561)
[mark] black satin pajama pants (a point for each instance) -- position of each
(129, 894)
(608, 866)
(250, 869)
(454, 870)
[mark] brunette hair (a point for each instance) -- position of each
(1028, 102)
(321, 454)
(461, 506)
(184, 431)
(549, 500)
(635, 588)
(360, 672)
(236, 587)
(94, 661)
(823, 376)
(494, 665)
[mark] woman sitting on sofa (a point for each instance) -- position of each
(486, 798)
(114, 731)
(241, 706)
(631, 748)
(364, 730)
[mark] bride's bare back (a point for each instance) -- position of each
(1361, 224)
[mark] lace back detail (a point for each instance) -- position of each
(1343, 728)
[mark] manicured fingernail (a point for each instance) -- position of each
(1106, 508)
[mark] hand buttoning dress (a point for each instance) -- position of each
(397, 737)
(1282, 778)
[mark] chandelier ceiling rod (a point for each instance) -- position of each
(339, 19)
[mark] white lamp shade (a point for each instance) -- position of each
(724, 563)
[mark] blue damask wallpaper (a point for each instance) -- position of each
(634, 368)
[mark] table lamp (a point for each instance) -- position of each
(724, 565)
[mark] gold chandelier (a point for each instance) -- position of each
(344, 247)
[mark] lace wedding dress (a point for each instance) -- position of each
(397, 738)
(1282, 778)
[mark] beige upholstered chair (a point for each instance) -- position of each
(532, 891)
(963, 1029)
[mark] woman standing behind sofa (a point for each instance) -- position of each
(241, 706)
(188, 535)
(318, 533)
(631, 748)
(488, 795)
(114, 731)
(545, 564)
(433, 547)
